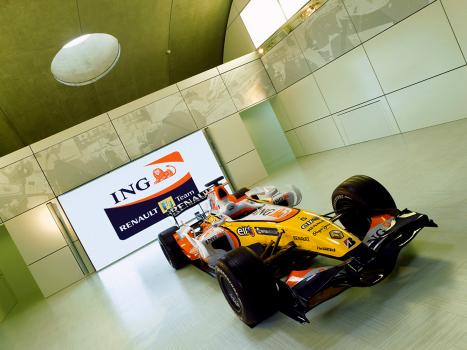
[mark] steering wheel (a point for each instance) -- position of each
(215, 182)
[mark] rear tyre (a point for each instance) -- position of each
(247, 285)
(358, 197)
(171, 249)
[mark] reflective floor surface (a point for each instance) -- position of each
(141, 303)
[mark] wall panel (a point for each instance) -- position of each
(367, 122)
(56, 271)
(418, 48)
(435, 101)
(154, 125)
(82, 158)
(285, 63)
(327, 34)
(248, 84)
(300, 104)
(348, 81)
(319, 136)
(22, 187)
(246, 170)
(372, 17)
(209, 101)
(230, 138)
(36, 234)
(295, 143)
(456, 11)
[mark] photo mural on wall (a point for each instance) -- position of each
(82, 158)
(22, 187)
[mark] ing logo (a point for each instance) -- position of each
(166, 204)
(161, 175)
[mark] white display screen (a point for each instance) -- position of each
(122, 211)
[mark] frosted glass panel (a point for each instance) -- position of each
(155, 125)
(371, 17)
(82, 158)
(248, 84)
(327, 34)
(22, 187)
(209, 101)
(285, 63)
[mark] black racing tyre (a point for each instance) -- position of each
(358, 197)
(171, 249)
(247, 285)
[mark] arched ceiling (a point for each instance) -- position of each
(33, 105)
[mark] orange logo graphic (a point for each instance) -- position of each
(161, 175)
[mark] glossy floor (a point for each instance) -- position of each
(141, 303)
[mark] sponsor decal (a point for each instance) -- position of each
(211, 239)
(269, 231)
(315, 232)
(300, 238)
(327, 249)
(308, 223)
(349, 242)
(129, 217)
(245, 231)
(336, 234)
(166, 204)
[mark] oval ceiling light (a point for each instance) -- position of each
(85, 59)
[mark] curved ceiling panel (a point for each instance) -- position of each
(33, 105)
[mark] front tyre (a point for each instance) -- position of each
(357, 198)
(247, 285)
(171, 249)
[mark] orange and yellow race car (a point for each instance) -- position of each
(262, 250)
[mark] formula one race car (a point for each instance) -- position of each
(262, 250)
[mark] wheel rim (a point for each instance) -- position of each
(230, 294)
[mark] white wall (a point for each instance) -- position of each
(371, 74)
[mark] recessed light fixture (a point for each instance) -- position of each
(85, 59)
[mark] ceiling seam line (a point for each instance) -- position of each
(79, 17)
(12, 127)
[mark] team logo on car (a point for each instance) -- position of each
(166, 204)
(336, 234)
(349, 242)
(245, 231)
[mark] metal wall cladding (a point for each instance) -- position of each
(248, 84)
(22, 186)
(154, 125)
(372, 17)
(82, 158)
(209, 101)
(285, 63)
(327, 34)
